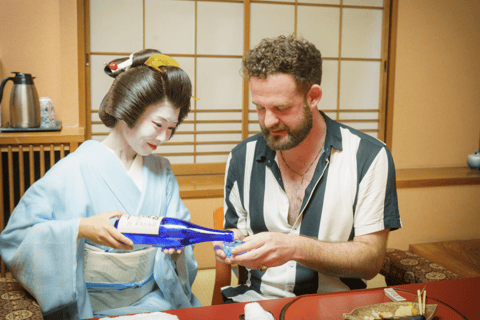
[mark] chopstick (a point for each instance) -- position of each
(424, 301)
(421, 302)
(421, 292)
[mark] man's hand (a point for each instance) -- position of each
(360, 258)
(269, 249)
(219, 253)
(98, 229)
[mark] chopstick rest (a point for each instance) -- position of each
(393, 295)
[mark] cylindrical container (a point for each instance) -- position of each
(24, 103)
(167, 232)
(47, 113)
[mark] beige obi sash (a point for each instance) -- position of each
(116, 280)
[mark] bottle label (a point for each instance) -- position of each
(139, 224)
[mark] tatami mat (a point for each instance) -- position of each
(203, 285)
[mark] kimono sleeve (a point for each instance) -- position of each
(39, 244)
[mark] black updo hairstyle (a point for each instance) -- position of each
(139, 86)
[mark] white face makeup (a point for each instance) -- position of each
(152, 129)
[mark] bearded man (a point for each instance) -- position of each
(314, 200)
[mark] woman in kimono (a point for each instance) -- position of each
(60, 243)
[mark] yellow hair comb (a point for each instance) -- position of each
(157, 60)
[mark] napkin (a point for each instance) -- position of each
(254, 311)
(146, 316)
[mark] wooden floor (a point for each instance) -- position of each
(461, 257)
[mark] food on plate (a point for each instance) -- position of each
(385, 315)
(417, 317)
(406, 311)
(391, 310)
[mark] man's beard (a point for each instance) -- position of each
(295, 136)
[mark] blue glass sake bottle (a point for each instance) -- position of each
(167, 232)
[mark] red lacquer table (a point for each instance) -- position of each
(456, 299)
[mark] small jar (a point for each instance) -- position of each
(473, 160)
(47, 113)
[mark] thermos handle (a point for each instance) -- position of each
(3, 85)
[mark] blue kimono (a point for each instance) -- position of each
(40, 244)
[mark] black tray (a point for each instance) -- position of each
(7, 128)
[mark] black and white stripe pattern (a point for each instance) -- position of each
(352, 193)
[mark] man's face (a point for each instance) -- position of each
(284, 117)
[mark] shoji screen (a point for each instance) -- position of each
(207, 39)
(352, 37)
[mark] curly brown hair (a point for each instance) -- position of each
(285, 54)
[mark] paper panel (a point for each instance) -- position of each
(362, 33)
(212, 159)
(219, 126)
(269, 21)
(100, 81)
(329, 85)
(219, 137)
(100, 128)
(320, 26)
(170, 26)
(358, 115)
(219, 84)
(331, 115)
(368, 3)
(116, 25)
(179, 137)
(220, 28)
(216, 147)
(219, 115)
(359, 85)
(188, 65)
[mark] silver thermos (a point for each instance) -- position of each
(24, 102)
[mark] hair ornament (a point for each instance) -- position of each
(157, 60)
(126, 63)
(113, 66)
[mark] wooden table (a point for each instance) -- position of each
(461, 257)
(451, 296)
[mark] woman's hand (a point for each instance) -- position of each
(98, 229)
(171, 251)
